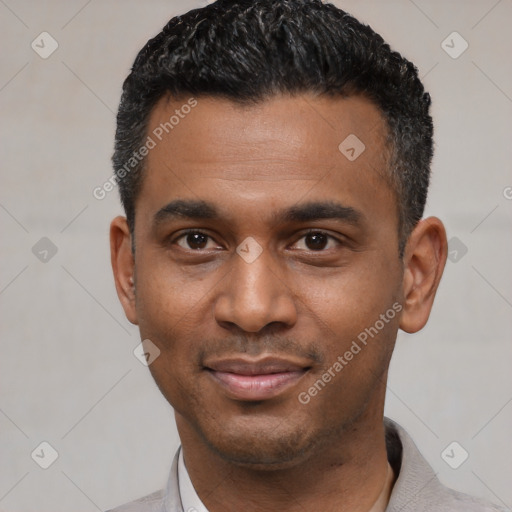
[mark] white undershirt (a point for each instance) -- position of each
(189, 498)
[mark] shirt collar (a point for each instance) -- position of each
(189, 498)
(415, 477)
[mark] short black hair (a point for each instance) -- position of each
(246, 51)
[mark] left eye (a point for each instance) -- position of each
(316, 240)
(194, 239)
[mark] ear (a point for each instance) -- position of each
(123, 266)
(424, 260)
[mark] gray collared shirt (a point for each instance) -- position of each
(417, 488)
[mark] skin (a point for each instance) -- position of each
(304, 299)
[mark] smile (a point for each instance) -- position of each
(247, 380)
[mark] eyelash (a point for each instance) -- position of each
(190, 232)
(309, 232)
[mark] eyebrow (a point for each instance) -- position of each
(319, 210)
(304, 212)
(189, 209)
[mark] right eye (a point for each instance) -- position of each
(193, 240)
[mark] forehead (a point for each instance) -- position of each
(275, 152)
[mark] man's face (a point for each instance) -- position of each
(248, 309)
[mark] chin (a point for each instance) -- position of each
(259, 448)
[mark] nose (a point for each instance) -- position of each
(254, 295)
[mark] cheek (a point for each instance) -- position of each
(168, 316)
(166, 298)
(169, 313)
(351, 299)
(356, 318)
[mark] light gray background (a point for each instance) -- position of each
(67, 372)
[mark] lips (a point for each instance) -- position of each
(256, 380)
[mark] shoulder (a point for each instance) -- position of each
(153, 502)
(450, 500)
(417, 488)
(164, 500)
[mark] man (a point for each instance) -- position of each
(273, 159)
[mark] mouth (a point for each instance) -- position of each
(255, 380)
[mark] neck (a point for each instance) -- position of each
(350, 472)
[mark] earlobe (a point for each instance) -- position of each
(123, 266)
(424, 261)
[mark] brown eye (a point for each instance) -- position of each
(316, 241)
(193, 240)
